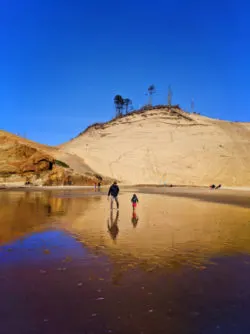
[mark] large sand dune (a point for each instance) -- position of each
(158, 146)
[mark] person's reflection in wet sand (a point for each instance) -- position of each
(134, 219)
(113, 228)
(49, 209)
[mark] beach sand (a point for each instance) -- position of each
(234, 196)
(230, 196)
(176, 265)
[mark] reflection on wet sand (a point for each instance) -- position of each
(21, 213)
(166, 235)
(113, 224)
(134, 219)
(162, 268)
(26, 212)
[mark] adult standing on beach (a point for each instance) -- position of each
(113, 192)
(99, 186)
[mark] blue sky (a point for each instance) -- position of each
(62, 62)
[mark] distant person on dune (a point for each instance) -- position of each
(134, 201)
(113, 193)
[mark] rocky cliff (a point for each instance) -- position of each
(23, 161)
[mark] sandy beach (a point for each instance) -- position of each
(70, 265)
(234, 196)
(223, 196)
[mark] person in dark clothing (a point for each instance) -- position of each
(113, 193)
(134, 201)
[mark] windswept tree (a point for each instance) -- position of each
(119, 104)
(151, 91)
(127, 103)
(192, 105)
(170, 95)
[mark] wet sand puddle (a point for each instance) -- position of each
(68, 265)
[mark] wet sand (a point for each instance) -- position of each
(233, 196)
(68, 265)
(230, 196)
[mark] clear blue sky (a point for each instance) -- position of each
(62, 62)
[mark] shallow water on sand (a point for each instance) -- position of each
(68, 265)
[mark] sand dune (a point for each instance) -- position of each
(159, 146)
(152, 147)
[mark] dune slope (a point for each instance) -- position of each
(162, 146)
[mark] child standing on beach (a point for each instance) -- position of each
(134, 201)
